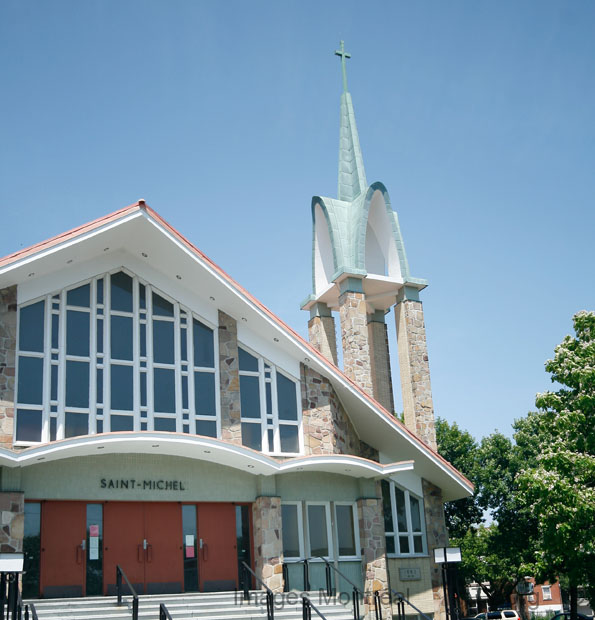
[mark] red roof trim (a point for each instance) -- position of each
(154, 215)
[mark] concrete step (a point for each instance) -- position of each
(214, 606)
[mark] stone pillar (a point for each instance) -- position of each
(354, 334)
(437, 536)
(413, 363)
(321, 331)
(268, 541)
(373, 544)
(12, 514)
(231, 428)
(380, 360)
(8, 344)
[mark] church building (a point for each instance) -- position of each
(155, 415)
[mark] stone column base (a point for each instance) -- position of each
(268, 541)
(12, 514)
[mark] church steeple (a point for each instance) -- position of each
(352, 176)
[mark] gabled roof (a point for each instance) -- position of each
(138, 225)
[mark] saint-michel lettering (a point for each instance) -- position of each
(145, 485)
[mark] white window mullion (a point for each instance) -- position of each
(177, 367)
(150, 404)
(191, 396)
(47, 370)
(275, 411)
(61, 367)
(263, 407)
(217, 390)
(409, 526)
(135, 354)
(107, 353)
(92, 425)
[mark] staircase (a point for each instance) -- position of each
(211, 606)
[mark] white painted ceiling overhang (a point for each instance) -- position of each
(139, 231)
(198, 449)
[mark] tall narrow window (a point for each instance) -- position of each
(113, 354)
(269, 406)
(403, 521)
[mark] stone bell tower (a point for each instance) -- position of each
(360, 271)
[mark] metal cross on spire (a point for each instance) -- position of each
(343, 55)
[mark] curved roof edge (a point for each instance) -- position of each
(200, 449)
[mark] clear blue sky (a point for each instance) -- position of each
(478, 116)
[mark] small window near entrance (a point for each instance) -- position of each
(31, 549)
(189, 548)
(347, 535)
(291, 516)
(94, 585)
(319, 534)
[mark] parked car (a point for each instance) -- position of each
(502, 614)
(565, 615)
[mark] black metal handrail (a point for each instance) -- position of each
(30, 606)
(119, 574)
(270, 596)
(400, 601)
(164, 613)
(307, 607)
(10, 601)
(329, 590)
(306, 569)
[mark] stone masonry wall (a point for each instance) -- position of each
(8, 343)
(268, 541)
(374, 567)
(12, 515)
(321, 332)
(437, 536)
(354, 334)
(380, 360)
(231, 428)
(415, 371)
(327, 428)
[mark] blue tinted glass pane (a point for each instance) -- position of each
(79, 296)
(99, 335)
(163, 342)
(121, 423)
(30, 388)
(100, 291)
(76, 424)
(100, 385)
(164, 424)
(54, 383)
(100, 426)
(269, 398)
(77, 384)
(184, 392)
(143, 340)
(247, 361)
(184, 343)
(209, 429)
(53, 427)
(121, 381)
(162, 307)
(121, 337)
(250, 397)
(55, 330)
(143, 426)
(142, 296)
(204, 393)
(121, 290)
(286, 398)
(204, 349)
(164, 393)
(143, 389)
(289, 438)
(31, 327)
(77, 333)
(271, 439)
(28, 425)
(251, 437)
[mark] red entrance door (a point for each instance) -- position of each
(63, 536)
(145, 540)
(218, 560)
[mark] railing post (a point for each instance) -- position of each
(306, 576)
(329, 588)
(270, 606)
(246, 584)
(377, 607)
(135, 608)
(2, 594)
(285, 577)
(119, 585)
(355, 604)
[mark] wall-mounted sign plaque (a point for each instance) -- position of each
(409, 574)
(142, 485)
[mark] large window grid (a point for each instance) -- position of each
(270, 415)
(403, 521)
(112, 353)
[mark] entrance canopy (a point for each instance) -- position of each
(200, 449)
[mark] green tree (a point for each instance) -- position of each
(559, 489)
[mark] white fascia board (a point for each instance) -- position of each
(196, 448)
